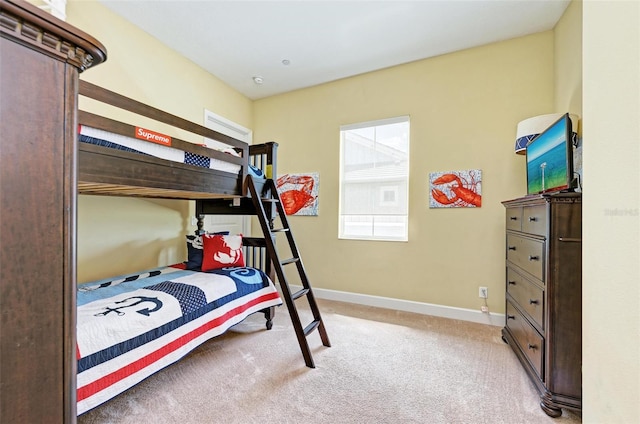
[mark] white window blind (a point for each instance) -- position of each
(374, 180)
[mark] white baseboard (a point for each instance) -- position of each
(471, 315)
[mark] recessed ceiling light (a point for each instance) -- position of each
(258, 80)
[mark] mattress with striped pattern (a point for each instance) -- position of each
(133, 326)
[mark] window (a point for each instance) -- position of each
(374, 180)
(389, 196)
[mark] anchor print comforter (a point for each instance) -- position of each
(129, 328)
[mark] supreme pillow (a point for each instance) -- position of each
(194, 251)
(221, 251)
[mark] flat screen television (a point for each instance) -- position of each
(550, 159)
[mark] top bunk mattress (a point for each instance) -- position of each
(115, 141)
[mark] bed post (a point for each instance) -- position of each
(272, 151)
(257, 256)
(200, 231)
(245, 169)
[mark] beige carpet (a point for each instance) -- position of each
(384, 367)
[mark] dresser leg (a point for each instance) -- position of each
(551, 410)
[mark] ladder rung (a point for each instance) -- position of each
(279, 230)
(309, 328)
(299, 294)
(289, 261)
(269, 200)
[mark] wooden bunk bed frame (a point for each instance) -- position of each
(106, 171)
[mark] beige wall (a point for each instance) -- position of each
(120, 235)
(611, 227)
(568, 73)
(464, 108)
(568, 60)
(610, 55)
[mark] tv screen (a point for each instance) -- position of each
(550, 159)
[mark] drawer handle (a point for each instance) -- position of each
(534, 258)
(511, 248)
(513, 218)
(512, 283)
(533, 301)
(532, 219)
(531, 346)
(569, 240)
(511, 317)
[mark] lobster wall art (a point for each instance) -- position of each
(299, 193)
(455, 189)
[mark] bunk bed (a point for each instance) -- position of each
(131, 326)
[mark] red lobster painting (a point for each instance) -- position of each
(456, 189)
(298, 193)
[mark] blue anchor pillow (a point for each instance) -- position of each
(195, 250)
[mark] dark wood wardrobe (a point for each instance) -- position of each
(40, 59)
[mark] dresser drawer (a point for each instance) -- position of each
(514, 219)
(534, 220)
(526, 253)
(529, 341)
(527, 295)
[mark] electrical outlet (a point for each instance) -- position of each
(485, 309)
(483, 292)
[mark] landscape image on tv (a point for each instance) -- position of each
(547, 160)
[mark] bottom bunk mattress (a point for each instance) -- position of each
(131, 327)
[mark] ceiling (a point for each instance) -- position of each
(326, 40)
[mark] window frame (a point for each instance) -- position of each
(376, 230)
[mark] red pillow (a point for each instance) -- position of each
(221, 251)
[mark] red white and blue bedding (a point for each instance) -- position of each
(120, 142)
(128, 328)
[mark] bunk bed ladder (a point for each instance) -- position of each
(265, 203)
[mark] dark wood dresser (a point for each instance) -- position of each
(544, 295)
(40, 59)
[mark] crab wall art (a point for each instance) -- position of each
(299, 193)
(455, 189)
